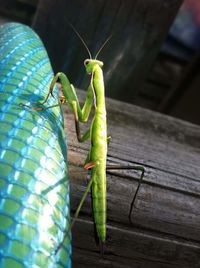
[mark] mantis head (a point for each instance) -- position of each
(90, 64)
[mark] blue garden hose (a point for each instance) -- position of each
(34, 185)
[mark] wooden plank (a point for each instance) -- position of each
(166, 220)
(182, 99)
(138, 29)
(133, 248)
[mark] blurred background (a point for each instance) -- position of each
(152, 59)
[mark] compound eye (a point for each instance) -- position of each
(86, 62)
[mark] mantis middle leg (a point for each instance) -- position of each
(139, 168)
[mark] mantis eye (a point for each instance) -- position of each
(86, 62)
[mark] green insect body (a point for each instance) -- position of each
(97, 133)
(98, 153)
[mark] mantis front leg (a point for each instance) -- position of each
(70, 97)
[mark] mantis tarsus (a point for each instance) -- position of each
(97, 133)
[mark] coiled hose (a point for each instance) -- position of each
(34, 185)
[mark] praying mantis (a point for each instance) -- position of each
(97, 134)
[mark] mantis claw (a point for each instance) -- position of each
(62, 99)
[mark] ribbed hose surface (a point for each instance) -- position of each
(34, 186)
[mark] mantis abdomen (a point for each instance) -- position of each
(98, 155)
(34, 187)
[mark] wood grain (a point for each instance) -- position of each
(166, 221)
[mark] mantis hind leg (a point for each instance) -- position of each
(139, 168)
(76, 214)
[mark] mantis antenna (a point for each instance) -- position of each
(102, 46)
(83, 42)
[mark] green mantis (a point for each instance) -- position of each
(97, 133)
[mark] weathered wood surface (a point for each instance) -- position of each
(166, 221)
(138, 30)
